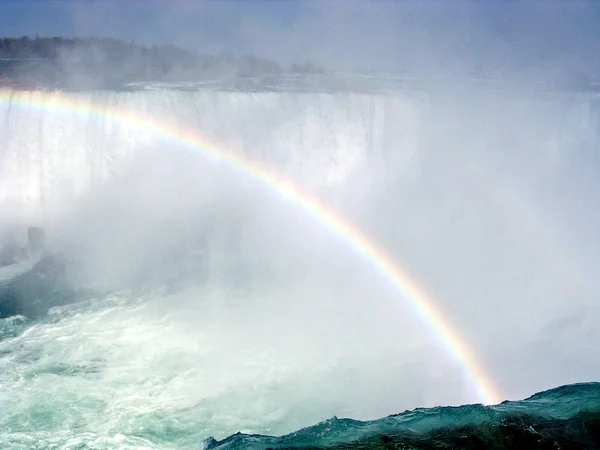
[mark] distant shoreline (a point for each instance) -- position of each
(105, 63)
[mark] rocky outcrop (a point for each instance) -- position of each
(12, 251)
(33, 293)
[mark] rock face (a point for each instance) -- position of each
(34, 292)
(12, 251)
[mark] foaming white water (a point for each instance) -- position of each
(215, 364)
(264, 322)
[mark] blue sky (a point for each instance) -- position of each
(380, 35)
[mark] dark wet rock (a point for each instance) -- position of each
(52, 267)
(12, 251)
(33, 293)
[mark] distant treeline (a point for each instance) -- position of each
(107, 62)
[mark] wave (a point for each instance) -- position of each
(567, 417)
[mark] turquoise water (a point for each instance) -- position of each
(130, 370)
(81, 379)
(579, 405)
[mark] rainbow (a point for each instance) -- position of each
(431, 315)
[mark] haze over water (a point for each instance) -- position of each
(213, 306)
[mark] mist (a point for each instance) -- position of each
(476, 169)
(491, 39)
